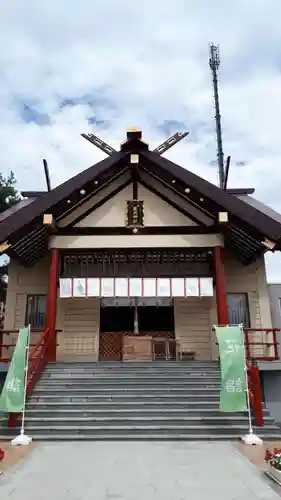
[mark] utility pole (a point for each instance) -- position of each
(214, 62)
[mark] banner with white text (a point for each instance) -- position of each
(233, 397)
(13, 393)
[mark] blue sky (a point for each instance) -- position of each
(103, 66)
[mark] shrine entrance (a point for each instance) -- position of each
(150, 317)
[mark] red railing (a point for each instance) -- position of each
(255, 392)
(37, 359)
(8, 340)
(261, 344)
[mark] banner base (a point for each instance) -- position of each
(21, 440)
(251, 439)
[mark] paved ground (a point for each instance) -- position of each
(135, 471)
(13, 454)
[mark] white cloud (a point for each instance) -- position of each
(142, 63)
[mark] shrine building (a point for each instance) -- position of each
(136, 258)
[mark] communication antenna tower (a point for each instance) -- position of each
(214, 62)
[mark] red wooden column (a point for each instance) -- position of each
(222, 309)
(51, 312)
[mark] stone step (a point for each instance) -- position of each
(149, 430)
(149, 404)
(132, 401)
(145, 420)
(66, 409)
(204, 390)
(131, 373)
(143, 371)
(124, 396)
(128, 384)
(135, 366)
(121, 412)
(131, 364)
(127, 377)
(138, 436)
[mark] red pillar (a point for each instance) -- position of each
(51, 312)
(221, 296)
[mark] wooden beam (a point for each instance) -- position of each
(223, 217)
(49, 222)
(4, 247)
(221, 295)
(171, 202)
(99, 143)
(100, 203)
(270, 245)
(149, 230)
(170, 142)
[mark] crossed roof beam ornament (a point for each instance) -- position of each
(162, 148)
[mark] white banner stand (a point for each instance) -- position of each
(22, 439)
(251, 438)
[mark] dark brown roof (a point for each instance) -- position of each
(249, 223)
(235, 206)
(15, 208)
(240, 191)
(46, 202)
(33, 194)
(262, 207)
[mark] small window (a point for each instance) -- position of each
(279, 303)
(36, 311)
(238, 309)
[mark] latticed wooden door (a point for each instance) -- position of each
(111, 345)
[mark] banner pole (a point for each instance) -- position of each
(23, 439)
(248, 399)
(249, 438)
(25, 382)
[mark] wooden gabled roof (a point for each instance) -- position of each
(247, 229)
(237, 208)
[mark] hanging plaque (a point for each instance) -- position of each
(65, 288)
(79, 287)
(93, 287)
(135, 213)
(163, 287)
(192, 287)
(177, 287)
(135, 287)
(121, 287)
(206, 287)
(149, 287)
(107, 287)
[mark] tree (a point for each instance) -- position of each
(8, 193)
(9, 196)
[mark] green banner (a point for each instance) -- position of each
(233, 395)
(12, 396)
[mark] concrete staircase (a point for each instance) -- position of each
(132, 401)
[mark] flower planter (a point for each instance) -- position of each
(275, 473)
(273, 459)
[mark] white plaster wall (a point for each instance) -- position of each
(156, 211)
